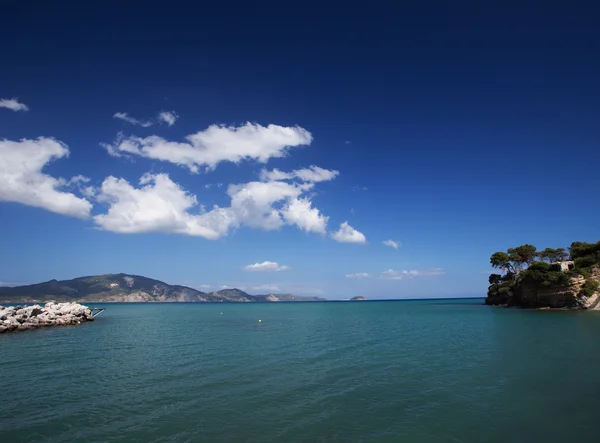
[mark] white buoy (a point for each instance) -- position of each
(260, 321)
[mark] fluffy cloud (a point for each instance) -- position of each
(391, 274)
(134, 121)
(311, 174)
(358, 275)
(300, 212)
(392, 243)
(13, 104)
(347, 234)
(168, 117)
(266, 266)
(253, 202)
(22, 179)
(159, 205)
(216, 144)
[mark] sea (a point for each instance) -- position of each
(375, 371)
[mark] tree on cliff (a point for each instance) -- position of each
(523, 255)
(553, 255)
(494, 279)
(515, 259)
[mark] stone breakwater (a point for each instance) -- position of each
(23, 318)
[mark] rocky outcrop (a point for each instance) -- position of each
(358, 298)
(531, 294)
(19, 318)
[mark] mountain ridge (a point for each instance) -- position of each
(130, 288)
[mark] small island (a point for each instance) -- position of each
(358, 298)
(548, 279)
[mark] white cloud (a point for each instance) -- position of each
(216, 144)
(311, 174)
(22, 179)
(348, 142)
(89, 192)
(226, 287)
(392, 243)
(168, 117)
(391, 274)
(266, 266)
(204, 286)
(77, 180)
(13, 104)
(347, 234)
(300, 212)
(267, 287)
(159, 205)
(134, 121)
(358, 275)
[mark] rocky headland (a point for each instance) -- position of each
(548, 279)
(24, 318)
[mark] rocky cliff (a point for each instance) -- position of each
(129, 288)
(533, 294)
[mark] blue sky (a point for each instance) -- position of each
(454, 131)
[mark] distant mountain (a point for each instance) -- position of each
(129, 288)
(358, 298)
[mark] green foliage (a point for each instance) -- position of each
(582, 249)
(540, 266)
(553, 255)
(524, 254)
(500, 260)
(584, 272)
(585, 262)
(545, 277)
(560, 255)
(503, 290)
(495, 279)
(589, 288)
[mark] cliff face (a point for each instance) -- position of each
(532, 295)
(528, 294)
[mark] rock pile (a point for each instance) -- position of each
(20, 318)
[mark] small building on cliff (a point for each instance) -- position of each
(563, 266)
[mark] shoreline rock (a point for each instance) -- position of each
(24, 318)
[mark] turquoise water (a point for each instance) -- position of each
(415, 371)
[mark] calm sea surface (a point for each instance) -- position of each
(410, 371)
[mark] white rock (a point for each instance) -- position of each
(21, 318)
